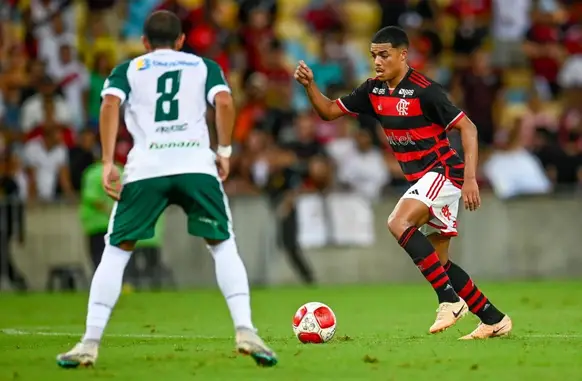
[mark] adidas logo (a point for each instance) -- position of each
(415, 191)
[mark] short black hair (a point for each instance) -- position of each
(391, 35)
(162, 29)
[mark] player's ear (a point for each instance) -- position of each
(146, 43)
(403, 54)
(180, 41)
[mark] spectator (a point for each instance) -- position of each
(13, 72)
(535, 117)
(563, 165)
(36, 73)
(363, 169)
(325, 17)
(509, 26)
(136, 14)
(49, 44)
(10, 117)
(47, 161)
(513, 171)
(545, 53)
(12, 217)
(104, 11)
(255, 37)
(33, 109)
(101, 69)
(479, 89)
(72, 77)
(50, 122)
(254, 107)
(472, 28)
(81, 156)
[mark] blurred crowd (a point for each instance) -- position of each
(514, 67)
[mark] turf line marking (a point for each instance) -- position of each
(20, 332)
(33, 332)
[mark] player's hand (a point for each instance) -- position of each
(223, 165)
(303, 74)
(111, 180)
(470, 194)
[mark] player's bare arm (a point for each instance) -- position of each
(325, 107)
(225, 118)
(470, 193)
(108, 127)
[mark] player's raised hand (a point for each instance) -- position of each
(303, 74)
(111, 180)
(223, 164)
(470, 194)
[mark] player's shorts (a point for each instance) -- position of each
(142, 202)
(442, 198)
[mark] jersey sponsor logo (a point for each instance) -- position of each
(170, 129)
(402, 107)
(172, 64)
(406, 92)
(402, 140)
(178, 144)
(378, 91)
(143, 64)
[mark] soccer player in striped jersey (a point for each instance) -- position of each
(416, 114)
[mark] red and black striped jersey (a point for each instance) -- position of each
(415, 117)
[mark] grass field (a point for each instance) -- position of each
(382, 335)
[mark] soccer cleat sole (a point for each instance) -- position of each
(71, 364)
(262, 359)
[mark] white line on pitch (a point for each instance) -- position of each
(33, 332)
(20, 332)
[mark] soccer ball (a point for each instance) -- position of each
(314, 323)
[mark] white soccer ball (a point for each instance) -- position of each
(314, 323)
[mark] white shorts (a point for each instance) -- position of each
(442, 198)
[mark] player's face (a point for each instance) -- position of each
(388, 61)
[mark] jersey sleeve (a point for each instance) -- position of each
(117, 83)
(357, 102)
(215, 81)
(437, 107)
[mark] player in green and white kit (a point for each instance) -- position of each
(166, 93)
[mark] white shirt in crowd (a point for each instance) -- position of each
(46, 165)
(32, 113)
(516, 173)
(510, 23)
(74, 80)
(39, 13)
(571, 73)
(49, 45)
(364, 172)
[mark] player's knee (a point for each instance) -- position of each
(397, 224)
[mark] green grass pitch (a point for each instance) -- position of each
(381, 335)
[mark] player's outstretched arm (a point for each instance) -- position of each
(325, 107)
(468, 131)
